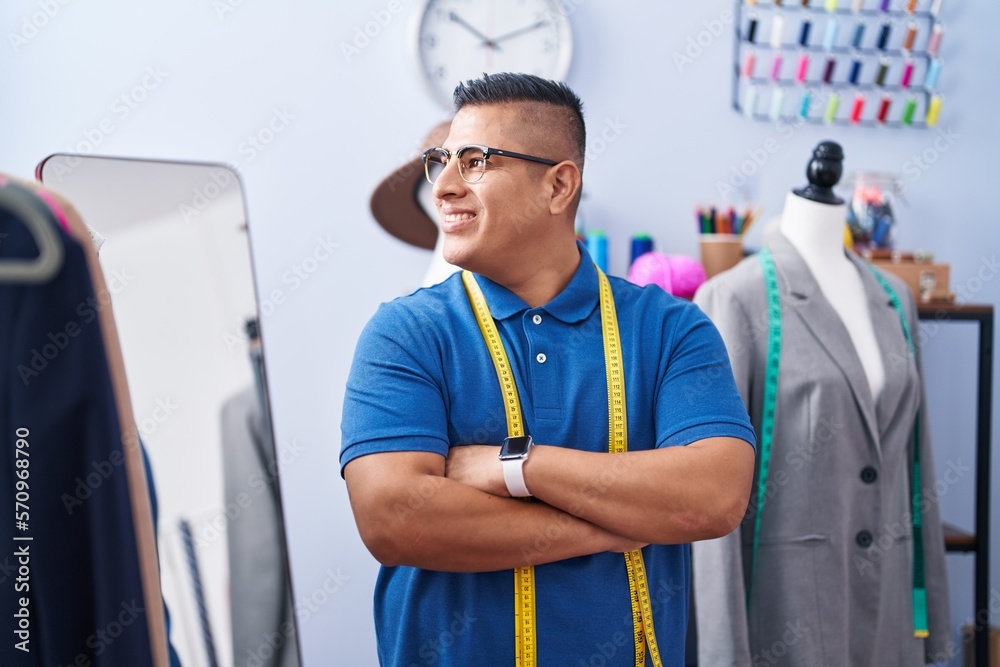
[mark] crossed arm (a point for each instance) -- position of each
(420, 509)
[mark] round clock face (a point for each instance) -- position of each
(457, 40)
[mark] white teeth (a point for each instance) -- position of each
(460, 217)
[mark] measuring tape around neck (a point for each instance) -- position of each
(525, 640)
(920, 626)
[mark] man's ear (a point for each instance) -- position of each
(566, 182)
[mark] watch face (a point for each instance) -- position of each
(515, 447)
(457, 40)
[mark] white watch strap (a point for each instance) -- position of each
(513, 476)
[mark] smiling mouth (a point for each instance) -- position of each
(452, 222)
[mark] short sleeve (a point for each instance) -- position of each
(394, 399)
(697, 396)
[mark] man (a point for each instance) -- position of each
(425, 411)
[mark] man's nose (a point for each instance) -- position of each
(449, 181)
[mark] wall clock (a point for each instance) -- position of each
(457, 40)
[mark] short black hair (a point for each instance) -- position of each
(510, 87)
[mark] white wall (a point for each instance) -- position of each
(340, 127)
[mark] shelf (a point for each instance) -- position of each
(957, 540)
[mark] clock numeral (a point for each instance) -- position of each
(438, 72)
(549, 46)
(430, 41)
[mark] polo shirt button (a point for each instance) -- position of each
(869, 475)
(541, 358)
(864, 539)
(537, 319)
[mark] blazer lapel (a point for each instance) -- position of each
(900, 367)
(802, 297)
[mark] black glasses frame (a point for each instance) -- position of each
(487, 153)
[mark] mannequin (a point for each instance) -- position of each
(824, 564)
(439, 268)
(813, 222)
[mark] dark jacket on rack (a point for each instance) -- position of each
(69, 570)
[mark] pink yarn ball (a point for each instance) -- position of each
(676, 274)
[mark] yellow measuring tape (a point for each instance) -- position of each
(525, 639)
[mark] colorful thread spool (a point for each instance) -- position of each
(804, 31)
(934, 44)
(883, 108)
(855, 71)
(933, 72)
(831, 65)
(904, 80)
(859, 34)
(832, 105)
(750, 101)
(804, 104)
(777, 31)
(803, 69)
(641, 244)
(933, 110)
(832, 31)
(777, 103)
(883, 36)
(909, 110)
(858, 108)
(883, 70)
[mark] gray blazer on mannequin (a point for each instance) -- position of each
(839, 479)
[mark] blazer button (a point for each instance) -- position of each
(869, 475)
(864, 539)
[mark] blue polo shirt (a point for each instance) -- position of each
(422, 379)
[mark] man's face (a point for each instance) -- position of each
(486, 224)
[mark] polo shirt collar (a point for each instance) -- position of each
(577, 300)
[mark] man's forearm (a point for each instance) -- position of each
(423, 519)
(663, 496)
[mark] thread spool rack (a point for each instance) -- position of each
(872, 63)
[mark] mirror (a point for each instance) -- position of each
(176, 258)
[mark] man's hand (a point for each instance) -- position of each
(477, 466)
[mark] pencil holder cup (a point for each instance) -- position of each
(720, 252)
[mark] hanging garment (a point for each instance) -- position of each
(833, 582)
(260, 599)
(74, 592)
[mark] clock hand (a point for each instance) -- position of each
(462, 22)
(516, 33)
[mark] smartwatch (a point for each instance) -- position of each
(513, 453)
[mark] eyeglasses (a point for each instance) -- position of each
(471, 161)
